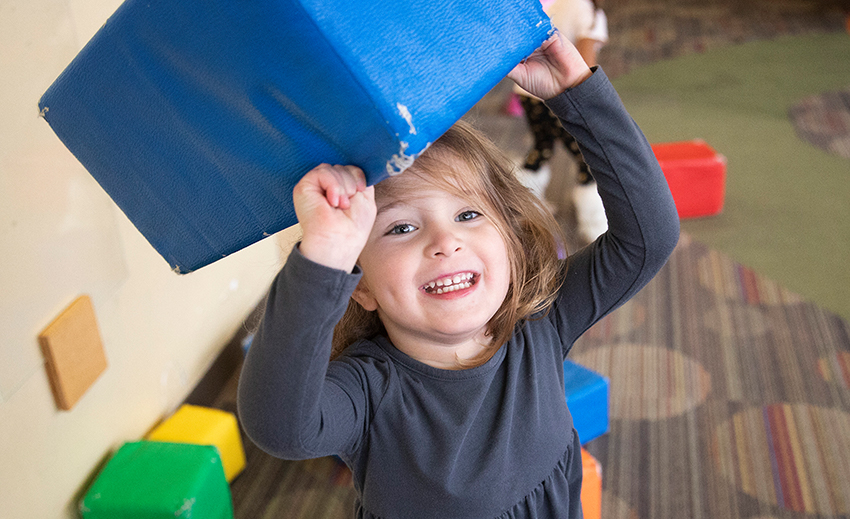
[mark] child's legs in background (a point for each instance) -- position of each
(583, 177)
(536, 173)
(545, 128)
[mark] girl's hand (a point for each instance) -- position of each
(551, 69)
(336, 211)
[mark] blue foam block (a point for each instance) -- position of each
(198, 117)
(587, 398)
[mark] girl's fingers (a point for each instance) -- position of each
(348, 183)
(339, 183)
(359, 177)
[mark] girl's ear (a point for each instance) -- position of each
(364, 297)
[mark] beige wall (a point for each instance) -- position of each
(61, 236)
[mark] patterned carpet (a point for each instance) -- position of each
(824, 120)
(730, 396)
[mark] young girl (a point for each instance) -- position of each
(448, 400)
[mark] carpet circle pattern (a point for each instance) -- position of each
(670, 382)
(824, 120)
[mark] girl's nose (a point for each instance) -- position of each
(443, 242)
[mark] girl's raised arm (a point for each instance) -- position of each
(287, 404)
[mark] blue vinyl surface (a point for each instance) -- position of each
(587, 397)
(198, 117)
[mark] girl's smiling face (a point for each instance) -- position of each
(436, 269)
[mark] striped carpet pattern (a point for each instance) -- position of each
(776, 454)
(729, 397)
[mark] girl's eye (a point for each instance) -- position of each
(402, 228)
(467, 215)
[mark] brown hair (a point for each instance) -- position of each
(531, 234)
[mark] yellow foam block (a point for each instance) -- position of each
(205, 426)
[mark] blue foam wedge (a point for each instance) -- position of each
(587, 397)
(199, 116)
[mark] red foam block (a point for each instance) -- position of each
(696, 174)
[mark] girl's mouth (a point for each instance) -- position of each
(450, 283)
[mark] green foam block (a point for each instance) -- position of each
(153, 480)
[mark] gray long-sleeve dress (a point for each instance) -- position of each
(492, 441)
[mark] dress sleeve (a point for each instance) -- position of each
(288, 405)
(643, 225)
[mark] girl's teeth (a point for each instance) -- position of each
(453, 288)
(458, 282)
